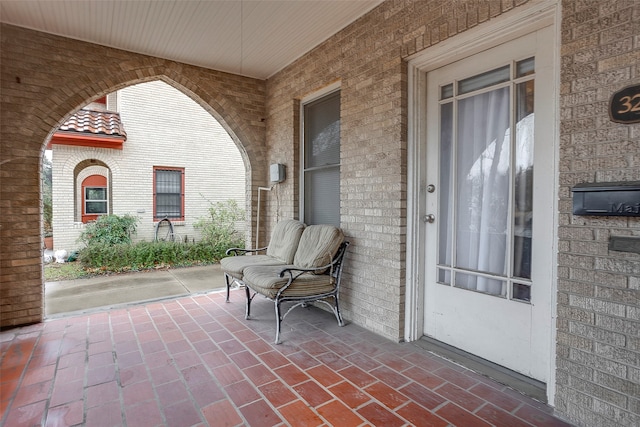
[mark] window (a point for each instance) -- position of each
(321, 160)
(486, 181)
(168, 197)
(95, 199)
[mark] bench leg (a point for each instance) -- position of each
(337, 311)
(228, 282)
(278, 321)
(247, 313)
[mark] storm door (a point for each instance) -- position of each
(489, 206)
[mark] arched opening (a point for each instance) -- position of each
(94, 195)
(167, 133)
(237, 102)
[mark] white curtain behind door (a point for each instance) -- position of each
(482, 177)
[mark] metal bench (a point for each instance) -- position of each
(314, 275)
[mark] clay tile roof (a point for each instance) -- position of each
(95, 122)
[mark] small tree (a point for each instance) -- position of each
(110, 230)
(219, 228)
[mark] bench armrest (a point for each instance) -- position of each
(295, 272)
(241, 251)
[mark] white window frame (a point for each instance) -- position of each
(87, 200)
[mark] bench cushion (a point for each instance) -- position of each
(265, 280)
(281, 250)
(318, 245)
(235, 265)
(284, 240)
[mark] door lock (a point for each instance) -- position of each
(430, 218)
(431, 188)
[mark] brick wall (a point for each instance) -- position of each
(44, 78)
(66, 230)
(598, 374)
(598, 343)
(164, 128)
(598, 316)
(368, 59)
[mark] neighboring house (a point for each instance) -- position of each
(146, 150)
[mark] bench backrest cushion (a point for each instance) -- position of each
(318, 245)
(284, 240)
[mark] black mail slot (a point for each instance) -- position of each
(607, 198)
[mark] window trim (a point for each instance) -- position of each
(156, 218)
(309, 99)
(90, 182)
(87, 200)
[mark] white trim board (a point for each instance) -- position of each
(511, 25)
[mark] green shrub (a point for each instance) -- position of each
(102, 257)
(219, 228)
(110, 230)
(109, 248)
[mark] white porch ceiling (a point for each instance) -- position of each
(254, 38)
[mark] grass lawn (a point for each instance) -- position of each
(55, 272)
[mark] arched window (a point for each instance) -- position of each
(95, 199)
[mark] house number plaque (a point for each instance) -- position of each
(624, 106)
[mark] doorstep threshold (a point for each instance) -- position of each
(521, 383)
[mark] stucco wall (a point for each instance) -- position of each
(164, 128)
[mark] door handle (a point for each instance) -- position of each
(430, 218)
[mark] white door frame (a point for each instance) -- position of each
(509, 26)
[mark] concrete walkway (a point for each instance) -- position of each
(105, 292)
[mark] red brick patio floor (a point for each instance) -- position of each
(196, 361)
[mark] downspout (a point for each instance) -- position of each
(258, 214)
